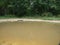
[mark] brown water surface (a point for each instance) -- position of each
(29, 33)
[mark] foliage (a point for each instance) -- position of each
(22, 8)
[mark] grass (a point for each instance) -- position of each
(31, 17)
(44, 18)
(7, 17)
(50, 18)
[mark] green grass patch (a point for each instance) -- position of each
(31, 17)
(44, 18)
(7, 17)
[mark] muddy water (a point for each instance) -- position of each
(29, 33)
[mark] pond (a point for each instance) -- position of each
(29, 33)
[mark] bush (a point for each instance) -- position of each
(22, 8)
(47, 14)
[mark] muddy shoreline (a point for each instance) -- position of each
(37, 20)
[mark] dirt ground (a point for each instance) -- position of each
(29, 33)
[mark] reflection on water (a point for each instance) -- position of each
(29, 33)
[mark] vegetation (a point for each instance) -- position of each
(30, 8)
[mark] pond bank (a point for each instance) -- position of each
(38, 20)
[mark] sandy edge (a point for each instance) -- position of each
(38, 20)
